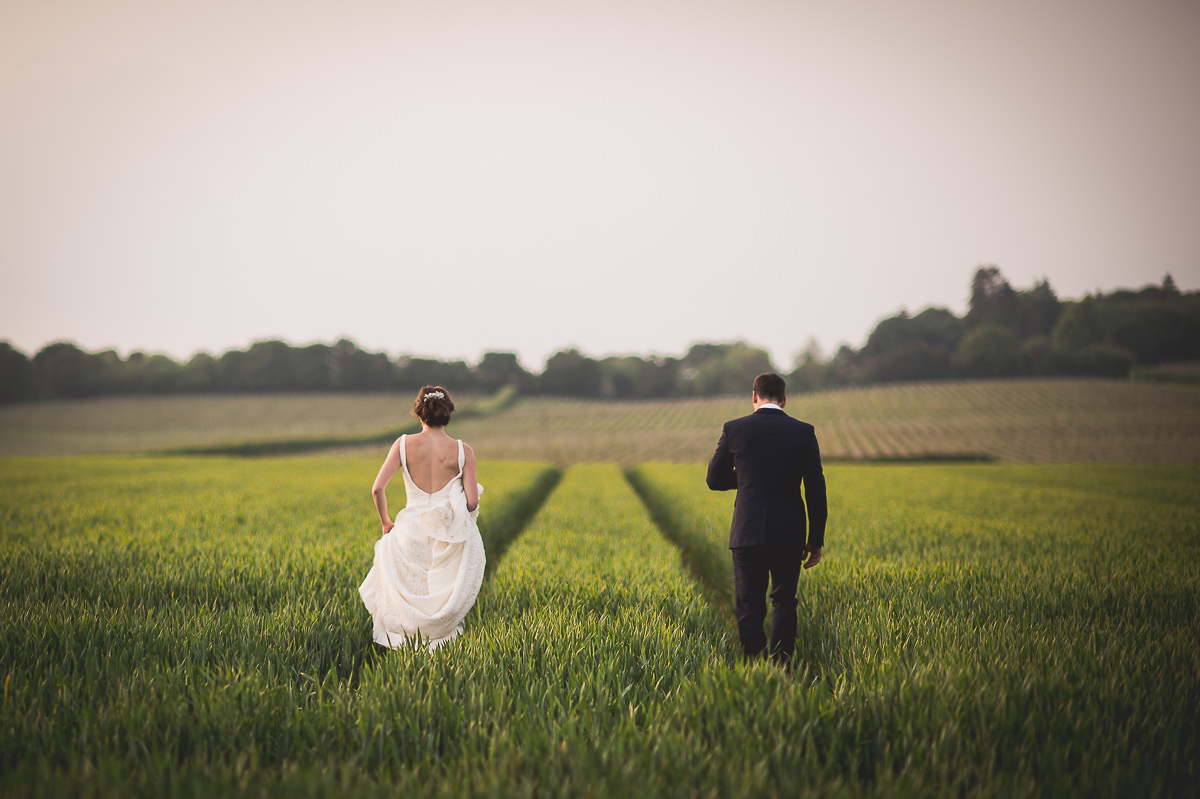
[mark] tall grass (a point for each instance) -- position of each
(192, 627)
(1034, 628)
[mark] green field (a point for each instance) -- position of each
(138, 424)
(191, 626)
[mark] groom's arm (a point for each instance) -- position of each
(814, 497)
(721, 475)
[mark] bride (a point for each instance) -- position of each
(429, 562)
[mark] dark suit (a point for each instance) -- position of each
(768, 456)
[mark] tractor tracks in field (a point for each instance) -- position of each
(703, 562)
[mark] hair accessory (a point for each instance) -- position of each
(435, 395)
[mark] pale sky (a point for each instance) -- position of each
(446, 178)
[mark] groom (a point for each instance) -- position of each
(766, 456)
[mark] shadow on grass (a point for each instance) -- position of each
(295, 446)
(708, 565)
(299, 446)
(504, 524)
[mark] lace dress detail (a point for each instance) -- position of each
(428, 569)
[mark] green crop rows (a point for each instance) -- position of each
(1029, 627)
(192, 627)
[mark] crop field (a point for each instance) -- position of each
(1035, 627)
(1029, 421)
(136, 424)
(191, 626)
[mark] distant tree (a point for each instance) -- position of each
(621, 376)
(162, 374)
(1096, 360)
(990, 350)
(16, 375)
(845, 367)
(732, 371)
(498, 369)
(413, 373)
(359, 370)
(148, 374)
(633, 377)
(919, 347)
(62, 369)
(993, 300)
(1038, 310)
(199, 375)
(1037, 353)
(913, 361)
(1078, 327)
(1156, 330)
(570, 373)
(313, 368)
(699, 354)
(809, 371)
(267, 366)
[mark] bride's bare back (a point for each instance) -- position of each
(432, 459)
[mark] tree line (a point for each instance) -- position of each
(1006, 332)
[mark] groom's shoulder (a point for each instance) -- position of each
(781, 419)
(800, 424)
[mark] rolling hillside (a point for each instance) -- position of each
(1067, 420)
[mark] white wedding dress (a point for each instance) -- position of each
(429, 568)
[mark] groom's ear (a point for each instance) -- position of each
(783, 402)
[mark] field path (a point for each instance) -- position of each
(591, 587)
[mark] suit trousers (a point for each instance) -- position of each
(752, 566)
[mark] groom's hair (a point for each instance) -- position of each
(770, 387)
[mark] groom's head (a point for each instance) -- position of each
(769, 387)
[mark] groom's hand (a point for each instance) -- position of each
(814, 557)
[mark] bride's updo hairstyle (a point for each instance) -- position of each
(433, 406)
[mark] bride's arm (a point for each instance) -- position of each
(470, 486)
(391, 465)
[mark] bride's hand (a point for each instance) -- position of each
(387, 527)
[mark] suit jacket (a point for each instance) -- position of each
(767, 456)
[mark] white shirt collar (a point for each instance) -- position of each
(769, 405)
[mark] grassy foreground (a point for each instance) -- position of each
(192, 627)
(993, 628)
